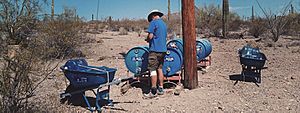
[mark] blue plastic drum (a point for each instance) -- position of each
(208, 46)
(177, 44)
(204, 48)
(136, 59)
(200, 48)
(173, 62)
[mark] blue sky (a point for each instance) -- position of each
(136, 9)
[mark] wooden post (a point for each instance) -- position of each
(97, 10)
(169, 10)
(189, 43)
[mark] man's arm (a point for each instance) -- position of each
(149, 37)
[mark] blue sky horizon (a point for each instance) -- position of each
(139, 9)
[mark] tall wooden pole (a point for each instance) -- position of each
(169, 10)
(97, 10)
(189, 43)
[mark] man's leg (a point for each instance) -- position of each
(160, 77)
(153, 89)
(153, 79)
(152, 65)
(160, 89)
(160, 74)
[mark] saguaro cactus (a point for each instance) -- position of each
(252, 16)
(225, 17)
(292, 9)
(52, 9)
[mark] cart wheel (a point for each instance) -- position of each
(63, 100)
(243, 78)
(74, 98)
(259, 79)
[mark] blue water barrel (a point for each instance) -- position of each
(204, 48)
(177, 44)
(136, 59)
(172, 62)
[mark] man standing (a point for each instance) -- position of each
(157, 39)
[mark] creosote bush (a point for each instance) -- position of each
(257, 27)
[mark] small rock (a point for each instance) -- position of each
(186, 90)
(100, 41)
(288, 108)
(292, 78)
(177, 92)
(222, 41)
(221, 108)
(219, 102)
(291, 100)
(102, 58)
(172, 110)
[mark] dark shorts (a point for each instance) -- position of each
(156, 60)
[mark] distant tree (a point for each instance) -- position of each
(257, 27)
(276, 24)
(18, 18)
(210, 17)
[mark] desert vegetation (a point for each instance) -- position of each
(29, 49)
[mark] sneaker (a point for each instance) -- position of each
(153, 90)
(160, 90)
(151, 94)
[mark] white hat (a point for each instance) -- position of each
(156, 12)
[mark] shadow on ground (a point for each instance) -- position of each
(239, 77)
(123, 54)
(77, 100)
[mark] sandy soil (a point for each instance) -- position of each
(278, 92)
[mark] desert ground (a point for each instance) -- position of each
(279, 90)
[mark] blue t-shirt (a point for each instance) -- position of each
(159, 41)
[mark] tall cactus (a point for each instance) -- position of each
(52, 9)
(252, 16)
(225, 17)
(292, 9)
